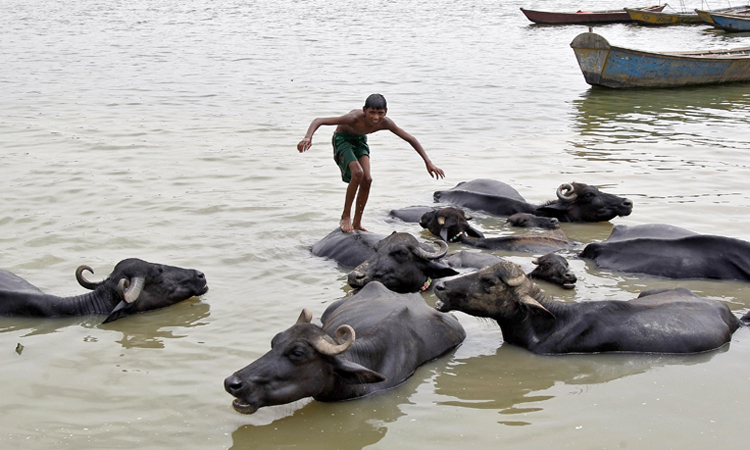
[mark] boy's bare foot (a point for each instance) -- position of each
(360, 228)
(346, 225)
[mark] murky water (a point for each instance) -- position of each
(167, 131)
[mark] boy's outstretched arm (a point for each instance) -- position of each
(306, 142)
(432, 169)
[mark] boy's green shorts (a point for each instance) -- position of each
(348, 148)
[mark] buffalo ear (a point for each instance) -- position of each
(439, 270)
(473, 232)
(353, 373)
(118, 312)
(553, 209)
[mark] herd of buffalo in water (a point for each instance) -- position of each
(376, 338)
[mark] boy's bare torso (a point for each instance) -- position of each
(358, 123)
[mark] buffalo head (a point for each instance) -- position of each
(142, 286)
(528, 220)
(498, 291)
(304, 361)
(555, 269)
(401, 264)
(449, 223)
(579, 202)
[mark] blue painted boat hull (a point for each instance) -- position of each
(731, 22)
(617, 67)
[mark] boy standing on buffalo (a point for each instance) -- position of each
(352, 154)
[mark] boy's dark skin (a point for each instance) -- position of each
(360, 122)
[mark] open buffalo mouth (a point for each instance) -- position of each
(243, 407)
(569, 285)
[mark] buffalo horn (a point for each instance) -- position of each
(305, 316)
(511, 274)
(130, 290)
(566, 192)
(83, 281)
(422, 253)
(325, 344)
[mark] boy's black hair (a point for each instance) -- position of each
(376, 101)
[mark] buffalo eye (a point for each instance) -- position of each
(296, 353)
(400, 255)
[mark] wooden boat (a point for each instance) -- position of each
(731, 22)
(705, 14)
(616, 67)
(662, 18)
(583, 17)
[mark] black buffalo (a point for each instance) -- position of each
(402, 264)
(528, 220)
(452, 225)
(133, 286)
(381, 339)
(449, 224)
(671, 252)
(658, 321)
(576, 202)
(550, 267)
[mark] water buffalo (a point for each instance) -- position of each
(452, 225)
(402, 264)
(671, 252)
(576, 202)
(133, 286)
(449, 224)
(381, 339)
(527, 220)
(554, 269)
(550, 267)
(658, 321)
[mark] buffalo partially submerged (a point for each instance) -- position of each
(449, 224)
(527, 220)
(658, 321)
(452, 225)
(133, 286)
(671, 252)
(550, 267)
(576, 202)
(381, 339)
(402, 264)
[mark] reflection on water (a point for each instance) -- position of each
(693, 116)
(513, 381)
(145, 330)
(150, 330)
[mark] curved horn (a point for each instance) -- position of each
(325, 344)
(130, 290)
(437, 254)
(566, 192)
(305, 316)
(83, 281)
(510, 273)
